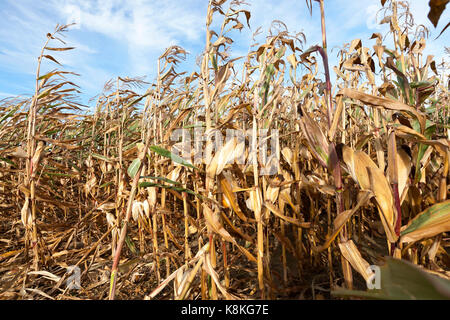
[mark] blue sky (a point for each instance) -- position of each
(125, 38)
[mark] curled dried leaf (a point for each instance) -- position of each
(26, 214)
(385, 201)
(352, 255)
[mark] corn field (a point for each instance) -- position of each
(360, 173)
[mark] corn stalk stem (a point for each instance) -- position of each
(31, 146)
(123, 232)
(334, 162)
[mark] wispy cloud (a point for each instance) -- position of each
(6, 94)
(145, 28)
(125, 38)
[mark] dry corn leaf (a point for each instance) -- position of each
(230, 197)
(271, 193)
(18, 152)
(317, 143)
(287, 155)
(342, 219)
(37, 157)
(146, 208)
(214, 223)
(39, 193)
(406, 132)
(243, 235)
(403, 169)
(294, 221)
(236, 229)
(437, 7)
(207, 266)
(185, 285)
(383, 102)
(255, 202)
(357, 163)
(110, 219)
(8, 254)
(174, 174)
(348, 156)
(179, 280)
(174, 123)
(200, 254)
(336, 118)
(26, 214)
(137, 210)
(392, 170)
(222, 158)
(352, 255)
(46, 275)
(107, 206)
(370, 177)
(385, 201)
(152, 197)
(361, 164)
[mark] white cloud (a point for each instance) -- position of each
(298, 20)
(371, 14)
(143, 24)
(117, 37)
(5, 94)
(143, 28)
(73, 14)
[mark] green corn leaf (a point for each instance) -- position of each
(162, 179)
(432, 221)
(420, 84)
(166, 153)
(100, 157)
(8, 161)
(131, 245)
(401, 280)
(133, 168)
(9, 114)
(178, 189)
